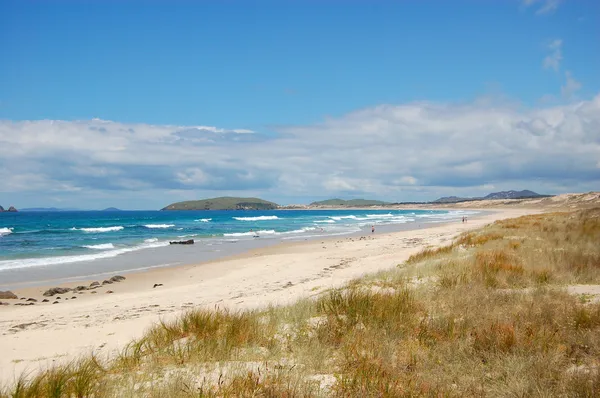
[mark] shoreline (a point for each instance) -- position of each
(39, 335)
(205, 249)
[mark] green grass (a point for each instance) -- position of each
(490, 317)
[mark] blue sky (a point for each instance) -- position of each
(290, 69)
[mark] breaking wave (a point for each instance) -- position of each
(259, 218)
(99, 229)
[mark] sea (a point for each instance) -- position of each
(43, 247)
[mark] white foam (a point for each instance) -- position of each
(154, 226)
(99, 229)
(151, 240)
(389, 215)
(298, 231)
(205, 220)
(259, 218)
(339, 218)
(252, 233)
(325, 222)
(40, 262)
(5, 231)
(103, 246)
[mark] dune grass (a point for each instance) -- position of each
(487, 315)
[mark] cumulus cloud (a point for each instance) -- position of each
(545, 6)
(552, 60)
(396, 152)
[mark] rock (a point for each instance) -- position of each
(32, 299)
(45, 300)
(157, 285)
(8, 295)
(1, 303)
(80, 288)
(182, 242)
(22, 298)
(12, 209)
(56, 302)
(94, 292)
(109, 291)
(94, 284)
(106, 282)
(117, 278)
(73, 298)
(56, 290)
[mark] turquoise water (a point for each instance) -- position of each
(46, 239)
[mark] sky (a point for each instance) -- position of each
(138, 104)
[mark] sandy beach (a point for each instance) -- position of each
(101, 322)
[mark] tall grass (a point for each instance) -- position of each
(492, 319)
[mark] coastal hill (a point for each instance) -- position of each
(352, 202)
(223, 203)
(112, 209)
(525, 194)
(10, 209)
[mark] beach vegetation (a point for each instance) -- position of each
(488, 315)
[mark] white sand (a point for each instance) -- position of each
(38, 335)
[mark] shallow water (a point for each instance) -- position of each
(37, 247)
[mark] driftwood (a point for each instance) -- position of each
(182, 242)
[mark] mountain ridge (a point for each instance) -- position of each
(524, 194)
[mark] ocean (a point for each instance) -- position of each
(45, 246)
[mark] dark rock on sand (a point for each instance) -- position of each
(45, 300)
(56, 290)
(94, 284)
(106, 282)
(157, 285)
(73, 298)
(1, 303)
(80, 288)
(56, 302)
(182, 242)
(94, 292)
(109, 291)
(8, 295)
(117, 278)
(32, 299)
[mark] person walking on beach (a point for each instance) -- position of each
(372, 229)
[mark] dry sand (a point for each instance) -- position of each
(34, 337)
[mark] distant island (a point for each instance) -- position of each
(525, 194)
(111, 209)
(349, 203)
(11, 209)
(223, 203)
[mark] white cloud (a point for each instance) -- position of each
(545, 6)
(570, 87)
(411, 151)
(552, 60)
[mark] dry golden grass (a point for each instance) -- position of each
(493, 320)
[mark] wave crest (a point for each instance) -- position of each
(159, 225)
(259, 218)
(99, 229)
(5, 231)
(103, 246)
